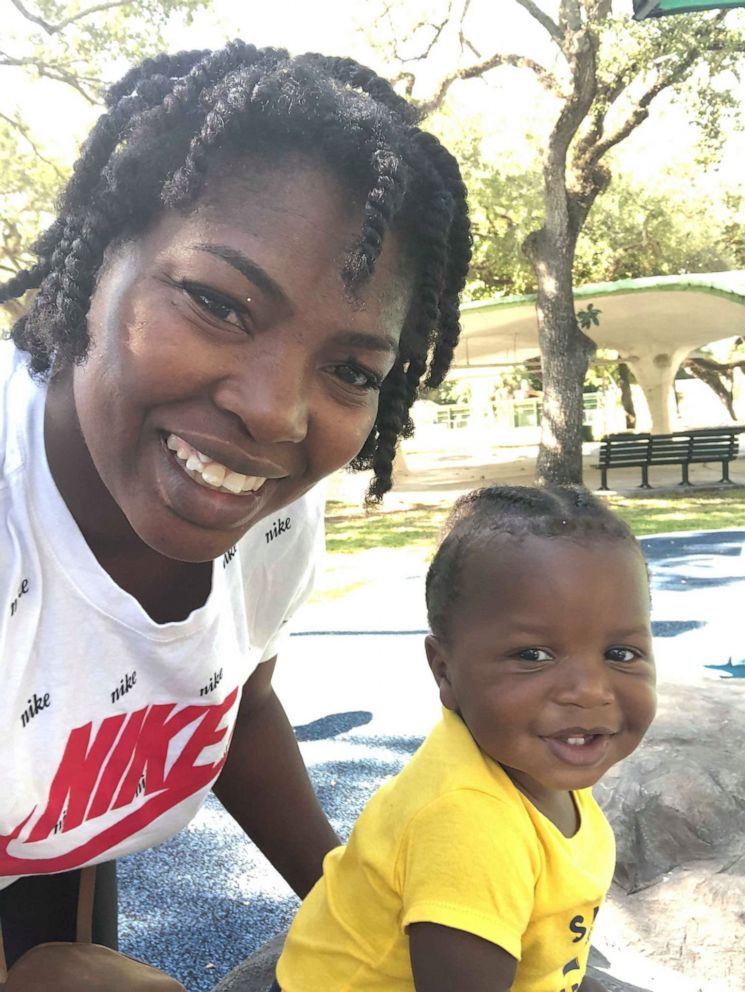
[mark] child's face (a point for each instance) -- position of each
(549, 657)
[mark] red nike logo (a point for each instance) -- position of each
(102, 773)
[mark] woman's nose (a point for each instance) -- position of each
(269, 395)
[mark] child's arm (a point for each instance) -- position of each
(443, 959)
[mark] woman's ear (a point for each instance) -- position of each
(437, 656)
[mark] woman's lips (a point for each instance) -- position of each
(205, 471)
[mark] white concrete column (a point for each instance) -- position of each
(655, 369)
(482, 412)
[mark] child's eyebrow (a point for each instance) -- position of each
(643, 630)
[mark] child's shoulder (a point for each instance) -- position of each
(449, 771)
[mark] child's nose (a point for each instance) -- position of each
(585, 682)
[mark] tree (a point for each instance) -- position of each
(603, 76)
(69, 49)
(630, 232)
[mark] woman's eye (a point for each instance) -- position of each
(355, 375)
(216, 306)
(621, 654)
(533, 654)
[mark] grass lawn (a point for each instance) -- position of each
(350, 529)
(357, 540)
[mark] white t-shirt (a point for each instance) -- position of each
(115, 727)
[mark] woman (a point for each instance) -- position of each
(255, 264)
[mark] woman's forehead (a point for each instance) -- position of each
(292, 216)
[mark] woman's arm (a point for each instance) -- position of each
(265, 787)
(444, 959)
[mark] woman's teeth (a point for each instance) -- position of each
(215, 475)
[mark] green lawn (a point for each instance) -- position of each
(359, 542)
(350, 529)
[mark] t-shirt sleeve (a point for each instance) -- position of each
(470, 861)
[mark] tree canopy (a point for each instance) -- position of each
(599, 75)
(70, 52)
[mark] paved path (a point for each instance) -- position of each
(356, 686)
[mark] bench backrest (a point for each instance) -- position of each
(670, 449)
(713, 447)
(700, 445)
(624, 449)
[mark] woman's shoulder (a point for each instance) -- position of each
(17, 390)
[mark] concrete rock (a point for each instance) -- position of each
(256, 973)
(680, 798)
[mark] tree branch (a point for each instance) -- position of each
(481, 68)
(21, 128)
(543, 19)
(56, 72)
(56, 28)
(641, 111)
(464, 42)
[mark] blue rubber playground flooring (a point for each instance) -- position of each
(355, 684)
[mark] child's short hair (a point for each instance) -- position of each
(547, 511)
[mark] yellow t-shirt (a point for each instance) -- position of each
(450, 840)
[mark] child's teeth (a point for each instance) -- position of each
(576, 740)
(213, 474)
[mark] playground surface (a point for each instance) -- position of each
(357, 689)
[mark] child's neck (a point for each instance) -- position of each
(556, 805)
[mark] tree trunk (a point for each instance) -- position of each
(627, 397)
(565, 355)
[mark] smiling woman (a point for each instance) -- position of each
(256, 262)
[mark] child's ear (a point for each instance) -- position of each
(438, 664)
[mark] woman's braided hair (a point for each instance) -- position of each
(172, 116)
(517, 511)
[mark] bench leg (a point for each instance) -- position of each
(725, 474)
(645, 478)
(684, 481)
(604, 478)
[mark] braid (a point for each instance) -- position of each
(161, 65)
(346, 70)
(172, 119)
(516, 511)
(383, 202)
(26, 279)
(394, 408)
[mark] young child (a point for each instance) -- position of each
(482, 865)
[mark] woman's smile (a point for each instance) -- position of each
(208, 471)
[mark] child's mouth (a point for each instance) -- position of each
(579, 747)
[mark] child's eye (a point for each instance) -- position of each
(622, 654)
(533, 654)
(352, 374)
(216, 305)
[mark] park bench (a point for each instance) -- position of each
(684, 448)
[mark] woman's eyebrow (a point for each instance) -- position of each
(368, 341)
(250, 270)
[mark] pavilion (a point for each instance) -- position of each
(652, 323)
